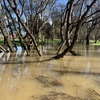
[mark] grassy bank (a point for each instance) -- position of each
(16, 41)
(47, 41)
(92, 42)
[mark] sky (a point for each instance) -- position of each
(62, 1)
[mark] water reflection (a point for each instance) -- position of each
(1, 55)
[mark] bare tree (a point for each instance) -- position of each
(73, 23)
(29, 14)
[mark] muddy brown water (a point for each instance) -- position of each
(37, 78)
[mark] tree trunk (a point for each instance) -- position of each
(8, 42)
(70, 46)
(62, 44)
(96, 38)
(2, 48)
(87, 39)
(6, 39)
(13, 38)
(35, 44)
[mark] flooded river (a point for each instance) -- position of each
(37, 78)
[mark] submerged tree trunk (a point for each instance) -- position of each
(62, 44)
(67, 49)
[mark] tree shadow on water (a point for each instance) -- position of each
(14, 61)
(76, 72)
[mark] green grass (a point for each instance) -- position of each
(92, 42)
(96, 44)
(57, 40)
(49, 41)
(1, 41)
(16, 41)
